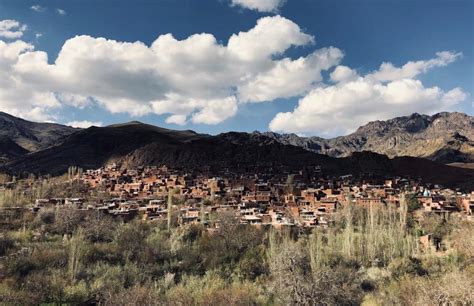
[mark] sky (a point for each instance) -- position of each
(310, 67)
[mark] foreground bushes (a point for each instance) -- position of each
(370, 256)
(453, 288)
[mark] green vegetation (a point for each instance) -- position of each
(371, 256)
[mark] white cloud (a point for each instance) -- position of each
(60, 11)
(83, 124)
(260, 5)
(271, 36)
(201, 80)
(388, 72)
(196, 79)
(18, 97)
(176, 119)
(209, 111)
(11, 29)
(77, 101)
(38, 8)
(355, 100)
(343, 74)
(216, 110)
(290, 78)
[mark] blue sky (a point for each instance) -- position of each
(366, 32)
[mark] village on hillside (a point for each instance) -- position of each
(303, 200)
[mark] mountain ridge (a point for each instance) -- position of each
(137, 144)
(32, 136)
(443, 137)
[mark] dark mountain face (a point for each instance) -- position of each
(444, 137)
(93, 147)
(140, 144)
(10, 150)
(137, 144)
(32, 136)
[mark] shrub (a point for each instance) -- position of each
(400, 267)
(6, 244)
(47, 216)
(99, 227)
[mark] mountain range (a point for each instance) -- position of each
(444, 137)
(44, 148)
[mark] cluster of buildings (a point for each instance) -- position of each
(160, 194)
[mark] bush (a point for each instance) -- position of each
(370, 252)
(252, 264)
(106, 279)
(99, 227)
(47, 216)
(400, 267)
(68, 220)
(412, 202)
(130, 239)
(77, 293)
(211, 289)
(6, 244)
(454, 288)
(137, 295)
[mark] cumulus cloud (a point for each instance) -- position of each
(290, 78)
(197, 79)
(216, 110)
(201, 80)
(271, 36)
(18, 97)
(266, 6)
(83, 124)
(355, 100)
(210, 111)
(60, 11)
(11, 29)
(343, 74)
